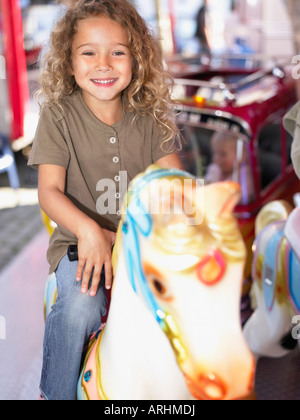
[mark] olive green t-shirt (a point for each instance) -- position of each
(99, 160)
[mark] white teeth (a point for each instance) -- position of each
(104, 82)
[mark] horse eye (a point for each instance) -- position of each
(159, 287)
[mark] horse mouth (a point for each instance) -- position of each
(207, 387)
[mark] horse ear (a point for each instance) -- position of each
(221, 198)
(276, 211)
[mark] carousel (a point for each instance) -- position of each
(206, 262)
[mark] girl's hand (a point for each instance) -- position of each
(94, 243)
(94, 251)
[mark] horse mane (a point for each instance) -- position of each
(219, 229)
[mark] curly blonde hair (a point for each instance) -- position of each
(149, 90)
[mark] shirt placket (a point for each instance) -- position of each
(116, 164)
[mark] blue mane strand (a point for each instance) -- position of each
(138, 221)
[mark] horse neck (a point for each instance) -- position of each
(134, 347)
(127, 309)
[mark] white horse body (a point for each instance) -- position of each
(135, 352)
(173, 330)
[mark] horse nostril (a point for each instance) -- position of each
(212, 386)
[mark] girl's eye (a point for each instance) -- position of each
(118, 53)
(88, 53)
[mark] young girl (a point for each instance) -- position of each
(107, 110)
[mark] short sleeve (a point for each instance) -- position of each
(159, 149)
(49, 146)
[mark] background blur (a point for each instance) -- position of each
(235, 27)
(261, 26)
(241, 27)
(250, 27)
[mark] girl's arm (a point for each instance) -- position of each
(94, 243)
(170, 161)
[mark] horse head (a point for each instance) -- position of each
(276, 284)
(185, 258)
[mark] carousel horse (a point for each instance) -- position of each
(173, 330)
(270, 331)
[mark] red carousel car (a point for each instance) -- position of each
(231, 123)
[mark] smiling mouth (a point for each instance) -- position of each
(104, 83)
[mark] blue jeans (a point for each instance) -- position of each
(73, 319)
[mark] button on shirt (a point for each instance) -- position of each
(92, 152)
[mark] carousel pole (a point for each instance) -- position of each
(173, 21)
(165, 25)
(16, 70)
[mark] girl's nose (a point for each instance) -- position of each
(103, 64)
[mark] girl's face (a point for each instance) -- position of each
(101, 60)
(224, 155)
